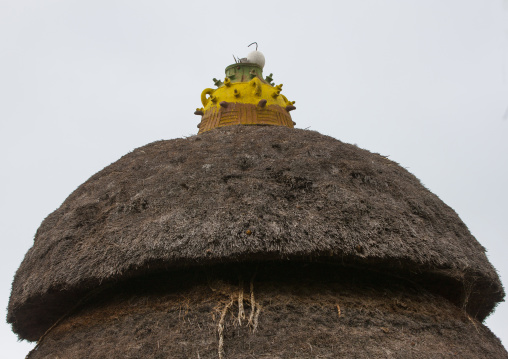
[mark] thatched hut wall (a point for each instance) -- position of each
(300, 311)
(243, 194)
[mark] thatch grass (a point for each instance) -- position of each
(248, 194)
(306, 313)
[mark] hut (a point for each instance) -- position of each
(256, 240)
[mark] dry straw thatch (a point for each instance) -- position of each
(248, 194)
(299, 313)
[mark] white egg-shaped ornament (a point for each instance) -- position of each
(256, 57)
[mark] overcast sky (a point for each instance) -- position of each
(84, 82)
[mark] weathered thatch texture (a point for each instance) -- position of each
(242, 194)
(300, 313)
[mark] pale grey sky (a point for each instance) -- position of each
(84, 82)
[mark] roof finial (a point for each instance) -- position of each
(256, 57)
(245, 98)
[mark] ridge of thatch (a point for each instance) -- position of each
(243, 194)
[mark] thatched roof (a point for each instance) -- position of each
(247, 194)
(299, 313)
